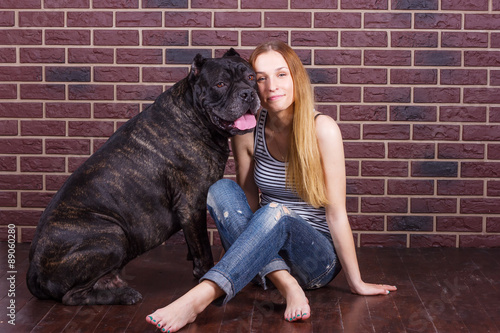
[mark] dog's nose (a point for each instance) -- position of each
(247, 95)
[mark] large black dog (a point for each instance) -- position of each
(147, 182)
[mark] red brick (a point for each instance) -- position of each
(438, 58)
(138, 19)
(253, 38)
(163, 74)
(67, 110)
(481, 169)
(492, 224)
(495, 40)
(338, 94)
(67, 74)
(216, 37)
(54, 182)
(8, 163)
(90, 19)
(7, 19)
(337, 57)
(363, 39)
(20, 37)
(367, 222)
(7, 55)
(237, 19)
(387, 95)
(93, 56)
(43, 91)
(21, 182)
(116, 4)
(75, 162)
(90, 128)
(459, 223)
(414, 39)
(43, 128)
(66, 4)
(41, 19)
(433, 205)
(438, 21)
(410, 187)
(363, 112)
(20, 217)
(8, 199)
(386, 132)
(67, 147)
(313, 4)
(20, 146)
(21, 110)
(220, 4)
(321, 75)
(8, 127)
(410, 223)
(493, 152)
(410, 150)
(263, 4)
(42, 55)
(67, 37)
(481, 5)
(16, 4)
(482, 21)
(365, 186)
(314, 38)
(436, 95)
(464, 39)
(384, 168)
(464, 77)
(91, 92)
(495, 114)
(425, 241)
(460, 151)
(160, 38)
(493, 189)
(479, 241)
(350, 131)
(457, 187)
(8, 91)
(387, 21)
(42, 164)
(188, 19)
(288, 19)
(434, 169)
(482, 95)
(139, 92)
(495, 78)
(482, 58)
(337, 20)
(364, 150)
(35, 199)
(462, 114)
(116, 110)
(384, 205)
(414, 76)
(116, 37)
(383, 240)
(116, 74)
(363, 76)
(481, 132)
(363, 4)
(352, 168)
(413, 113)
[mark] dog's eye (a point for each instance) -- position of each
(221, 84)
(251, 77)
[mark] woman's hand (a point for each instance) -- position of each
(368, 289)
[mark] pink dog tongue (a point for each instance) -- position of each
(246, 122)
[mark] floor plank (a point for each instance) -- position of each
(439, 290)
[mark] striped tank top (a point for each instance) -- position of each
(269, 175)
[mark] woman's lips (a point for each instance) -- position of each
(274, 98)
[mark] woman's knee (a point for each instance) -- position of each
(275, 213)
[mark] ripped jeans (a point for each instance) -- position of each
(273, 238)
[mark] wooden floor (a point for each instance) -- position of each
(439, 290)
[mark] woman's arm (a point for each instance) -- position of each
(242, 146)
(332, 154)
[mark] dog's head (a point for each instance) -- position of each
(225, 90)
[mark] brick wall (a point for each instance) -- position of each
(414, 85)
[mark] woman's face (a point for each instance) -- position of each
(274, 81)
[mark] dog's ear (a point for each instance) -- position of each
(231, 53)
(196, 65)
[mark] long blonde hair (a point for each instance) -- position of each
(304, 171)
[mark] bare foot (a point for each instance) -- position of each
(297, 304)
(183, 311)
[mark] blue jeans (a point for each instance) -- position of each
(273, 238)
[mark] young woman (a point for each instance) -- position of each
(295, 234)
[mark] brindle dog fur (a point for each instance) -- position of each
(147, 182)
